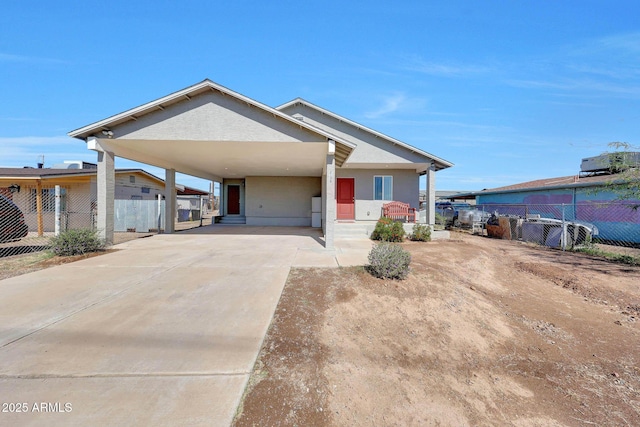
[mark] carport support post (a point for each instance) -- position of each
(169, 200)
(430, 196)
(330, 196)
(106, 195)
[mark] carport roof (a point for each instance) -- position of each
(217, 158)
(95, 129)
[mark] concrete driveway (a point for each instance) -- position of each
(164, 331)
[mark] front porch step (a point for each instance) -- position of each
(353, 230)
(228, 220)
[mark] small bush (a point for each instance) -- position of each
(421, 233)
(388, 230)
(441, 220)
(76, 242)
(389, 261)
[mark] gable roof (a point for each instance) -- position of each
(557, 182)
(45, 173)
(572, 181)
(439, 162)
(184, 95)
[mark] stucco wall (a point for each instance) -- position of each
(212, 116)
(125, 189)
(370, 149)
(283, 201)
(77, 200)
(405, 189)
(551, 196)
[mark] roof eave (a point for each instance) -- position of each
(84, 132)
(548, 187)
(440, 163)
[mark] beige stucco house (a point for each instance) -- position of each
(78, 187)
(270, 162)
(78, 193)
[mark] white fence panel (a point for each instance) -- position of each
(140, 216)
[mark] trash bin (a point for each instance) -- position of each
(183, 215)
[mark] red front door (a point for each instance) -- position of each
(233, 200)
(345, 198)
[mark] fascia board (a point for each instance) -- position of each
(366, 129)
(83, 132)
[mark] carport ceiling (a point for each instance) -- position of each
(225, 159)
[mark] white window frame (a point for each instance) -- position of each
(383, 187)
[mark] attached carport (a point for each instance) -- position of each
(211, 132)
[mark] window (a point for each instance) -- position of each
(382, 188)
(132, 179)
(48, 200)
(145, 190)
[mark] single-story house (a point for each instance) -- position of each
(586, 198)
(78, 191)
(270, 162)
(444, 195)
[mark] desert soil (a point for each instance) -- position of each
(27, 263)
(483, 332)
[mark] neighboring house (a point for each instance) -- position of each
(444, 195)
(78, 188)
(270, 162)
(585, 198)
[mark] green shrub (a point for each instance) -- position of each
(441, 220)
(388, 230)
(389, 261)
(421, 233)
(76, 242)
(593, 250)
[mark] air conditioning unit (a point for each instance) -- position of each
(74, 164)
(607, 162)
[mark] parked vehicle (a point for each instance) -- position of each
(12, 225)
(451, 210)
(467, 217)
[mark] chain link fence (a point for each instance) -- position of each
(30, 217)
(612, 226)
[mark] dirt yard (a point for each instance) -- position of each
(27, 263)
(483, 332)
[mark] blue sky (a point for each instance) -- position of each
(509, 91)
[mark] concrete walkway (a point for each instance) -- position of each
(163, 332)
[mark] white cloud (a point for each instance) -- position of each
(608, 66)
(389, 105)
(26, 150)
(582, 86)
(8, 57)
(624, 43)
(418, 64)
